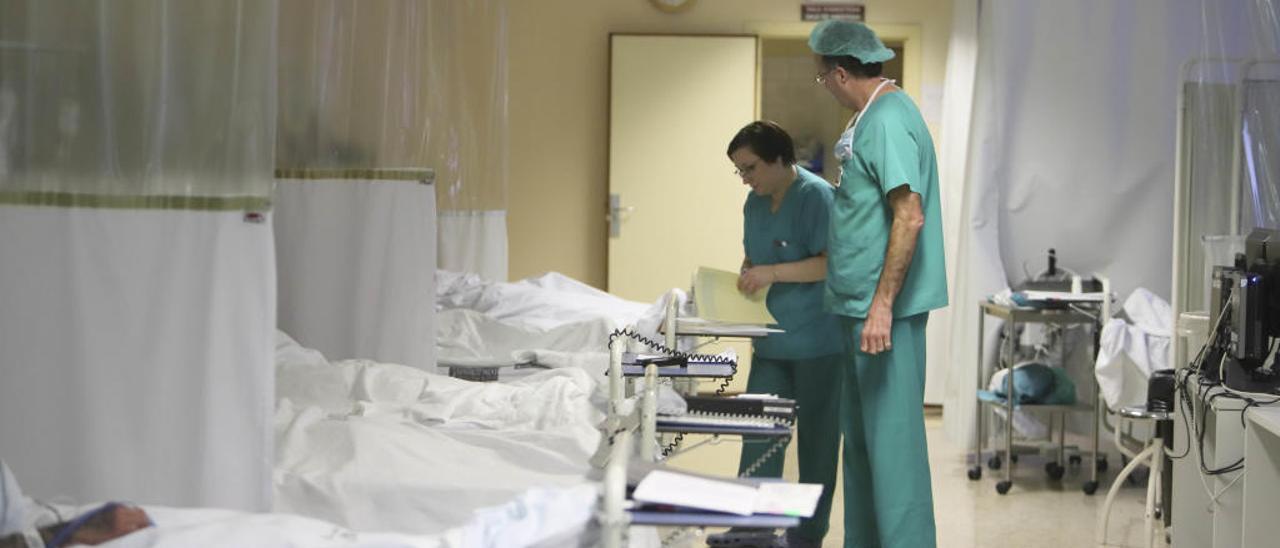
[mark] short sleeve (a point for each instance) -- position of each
(816, 213)
(896, 158)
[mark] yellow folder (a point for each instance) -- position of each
(715, 293)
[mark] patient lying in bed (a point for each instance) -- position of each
(104, 524)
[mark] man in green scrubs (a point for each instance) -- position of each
(785, 241)
(885, 273)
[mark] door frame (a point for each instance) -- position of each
(910, 36)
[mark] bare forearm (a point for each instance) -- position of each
(813, 269)
(903, 233)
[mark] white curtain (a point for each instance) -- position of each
(468, 62)
(356, 255)
(474, 241)
(406, 83)
(962, 58)
(1071, 147)
(137, 275)
(136, 351)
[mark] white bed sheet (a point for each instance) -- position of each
(382, 447)
(539, 517)
(543, 302)
(484, 323)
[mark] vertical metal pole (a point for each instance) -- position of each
(669, 322)
(1153, 481)
(1010, 397)
(617, 382)
(615, 492)
(649, 415)
(979, 366)
(1237, 153)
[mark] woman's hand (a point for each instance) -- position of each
(756, 278)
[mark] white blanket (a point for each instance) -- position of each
(537, 517)
(502, 324)
(1144, 344)
(544, 302)
(381, 447)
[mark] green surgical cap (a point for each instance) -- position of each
(837, 38)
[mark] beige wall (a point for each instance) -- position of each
(558, 109)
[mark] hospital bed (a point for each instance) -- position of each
(386, 455)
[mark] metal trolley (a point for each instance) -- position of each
(1087, 314)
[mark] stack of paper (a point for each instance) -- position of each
(715, 293)
(712, 328)
(728, 496)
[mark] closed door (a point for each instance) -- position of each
(675, 103)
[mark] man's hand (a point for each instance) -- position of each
(877, 328)
(756, 278)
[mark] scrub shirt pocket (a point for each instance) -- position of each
(855, 271)
(786, 248)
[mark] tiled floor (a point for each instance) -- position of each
(1037, 512)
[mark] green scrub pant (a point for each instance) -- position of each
(815, 384)
(888, 500)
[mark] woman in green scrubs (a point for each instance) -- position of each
(785, 243)
(885, 273)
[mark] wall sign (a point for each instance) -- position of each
(811, 11)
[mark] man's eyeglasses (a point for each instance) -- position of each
(745, 171)
(821, 78)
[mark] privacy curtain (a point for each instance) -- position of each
(137, 283)
(356, 251)
(1071, 147)
(391, 84)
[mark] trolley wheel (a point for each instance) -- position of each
(1074, 460)
(975, 472)
(1003, 487)
(994, 462)
(1054, 470)
(1102, 465)
(1090, 487)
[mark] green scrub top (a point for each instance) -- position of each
(891, 148)
(797, 231)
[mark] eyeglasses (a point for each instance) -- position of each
(746, 171)
(821, 78)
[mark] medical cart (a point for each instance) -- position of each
(1087, 314)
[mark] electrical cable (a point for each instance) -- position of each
(659, 347)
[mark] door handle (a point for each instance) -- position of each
(617, 214)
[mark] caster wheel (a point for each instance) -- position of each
(994, 463)
(1090, 487)
(1158, 514)
(1054, 470)
(1074, 460)
(975, 473)
(1003, 487)
(1102, 465)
